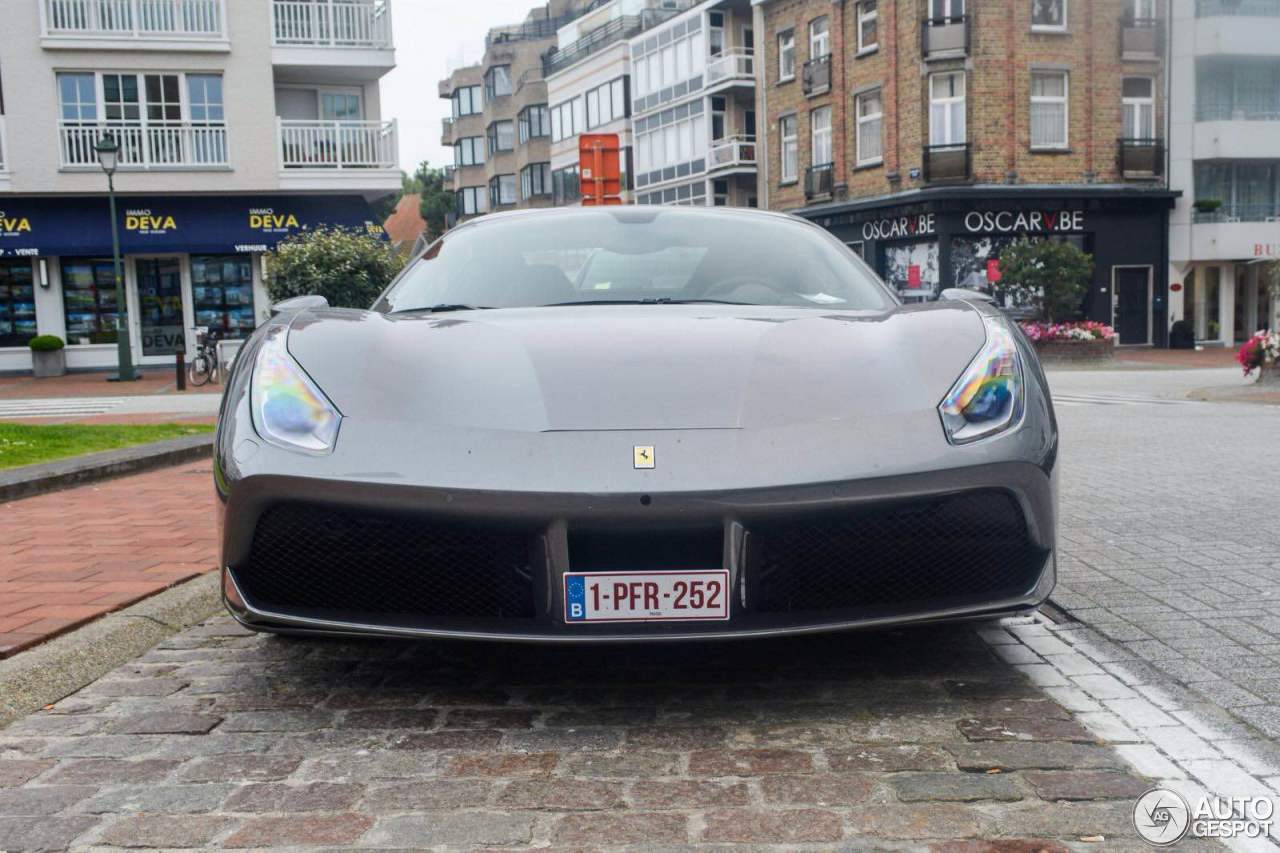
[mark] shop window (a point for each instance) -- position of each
(786, 55)
(913, 269)
(89, 300)
(222, 293)
(1049, 109)
(1049, 15)
(17, 304)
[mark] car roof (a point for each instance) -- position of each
(634, 210)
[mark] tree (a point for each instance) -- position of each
(437, 199)
(347, 267)
(1050, 276)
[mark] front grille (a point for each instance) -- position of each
(314, 558)
(930, 551)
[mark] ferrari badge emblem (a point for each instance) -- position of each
(644, 456)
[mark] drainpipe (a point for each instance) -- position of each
(764, 125)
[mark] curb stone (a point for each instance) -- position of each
(29, 480)
(51, 671)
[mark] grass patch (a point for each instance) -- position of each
(27, 444)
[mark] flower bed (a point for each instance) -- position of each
(1083, 341)
(1261, 353)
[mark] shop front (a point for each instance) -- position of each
(924, 242)
(188, 261)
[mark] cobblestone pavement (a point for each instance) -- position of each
(70, 556)
(1170, 548)
(875, 741)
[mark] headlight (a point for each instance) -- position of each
(987, 398)
(288, 409)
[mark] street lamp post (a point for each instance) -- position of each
(108, 150)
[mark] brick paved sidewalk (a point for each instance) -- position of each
(887, 741)
(95, 384)
(71, 556)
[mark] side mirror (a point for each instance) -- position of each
(299, 303)
(962, 294)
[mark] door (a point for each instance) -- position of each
(1133, 304)
(160, 327)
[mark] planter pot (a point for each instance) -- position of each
(47, 364)
(1269, 374)
(1075, 351)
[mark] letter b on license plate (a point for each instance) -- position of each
(646, 596)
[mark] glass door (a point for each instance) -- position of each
(159, 283)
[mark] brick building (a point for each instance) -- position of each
(928, 134)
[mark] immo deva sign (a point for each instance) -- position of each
(977, 222)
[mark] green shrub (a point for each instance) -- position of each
(1049, 276)
(347, 267)
(46, 343)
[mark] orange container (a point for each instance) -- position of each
(600, 169)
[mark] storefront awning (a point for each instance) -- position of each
(38, 226)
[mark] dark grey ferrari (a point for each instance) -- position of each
(634, 423)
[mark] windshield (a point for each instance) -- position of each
(636, 255)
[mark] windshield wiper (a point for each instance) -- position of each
(445, 307)
(657, 300)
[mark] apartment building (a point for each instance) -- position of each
(500, 123)
(1224, 145)
(928, 134)
(239, 122)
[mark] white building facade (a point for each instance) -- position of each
(1224, 155)
(239, 122)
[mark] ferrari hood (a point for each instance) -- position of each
(624, 367)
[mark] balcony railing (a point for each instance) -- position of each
(1141, 38)
(1141, 158)
(816, 76)
(732, 151)
(818, 180)
(1210, 111)
(315, 23)
(1264, 212)
(1247, 8)
(2, 141)
(536, 28)
(946, 162)
(338, 145)
(156, 145)
(736, 64)
(941, 38)
(446, 130)
(135, 19)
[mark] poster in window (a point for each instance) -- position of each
(901, 257)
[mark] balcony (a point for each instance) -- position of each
(735, 67)
(171, 145)
(732, 153)
(944, 163)
(134, 24)
(1233, 213)
(351, 41)
(944, 38)
(1241, 8)
(816, 76)
(446, 130)
(333, 154)
(818, 181)
(1140, 158)
(1141, 39)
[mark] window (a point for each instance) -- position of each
(469, 151)
(820, 141)
(671, 141)
(946, 11)
(77, 97)
(605, 103)
(790, 148)
(1139, 108)
(204, 94)
(471, 200)
(867, 18)
(1048, 14)
(720, 193)
(502, 136)
(17, 303)
(497, 82)
(565, 188)
(564, 124)
(502, 190)
(668, 57)
(535, 180)
(1049, 109)
(222, 293)
(786, 55)
(89, 300)
(535, 122)
(819, 39)
(1237, 89)
(466, 101)
(715, 33)
(870, 119)
(946, 109)
(340, 106)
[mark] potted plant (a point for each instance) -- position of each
(48, 356)
(1206, 205)
(1261, 353)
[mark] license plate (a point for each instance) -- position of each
(646, 596)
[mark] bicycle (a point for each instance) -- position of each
(204, 365)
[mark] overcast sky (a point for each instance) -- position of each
(429, 35)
